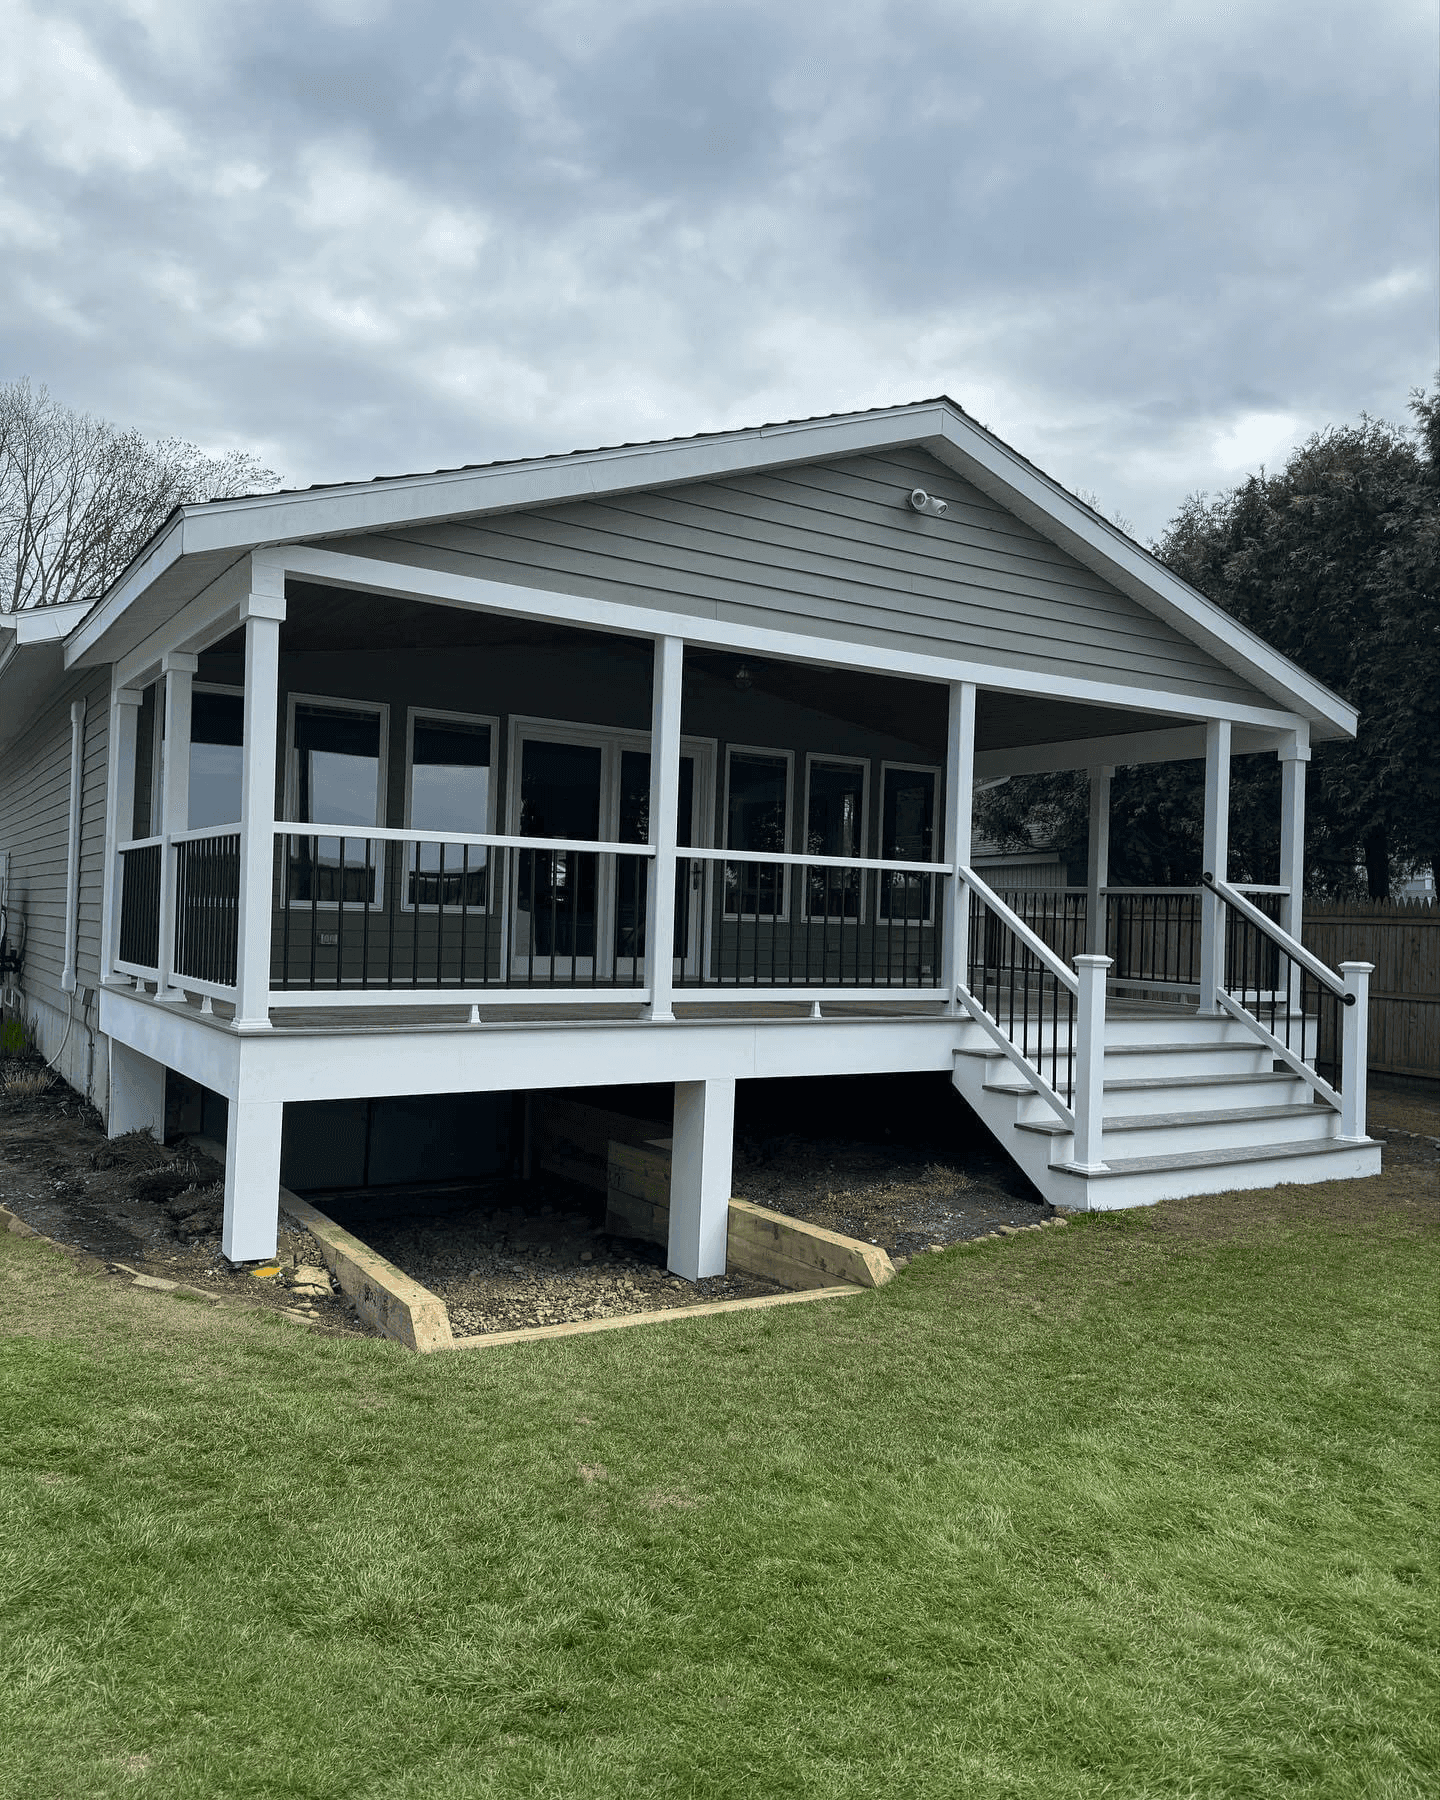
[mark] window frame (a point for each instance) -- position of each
(936, 827)
(855, 762)
(774, 751)
(447, 716)
(339, 703)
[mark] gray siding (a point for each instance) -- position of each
(34, 829)
(834, 550)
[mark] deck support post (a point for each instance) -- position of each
(1097, 868)
(137, 1093)
(700, 1171)
(959, 827)
(1089, 1100)
(1293, 758)
(252, 1179)
(1354, 1047)
(664, 821)
(178, 667)
(1216, 861)
(125, 703)
(263, 611)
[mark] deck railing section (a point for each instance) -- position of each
(138, 942)
(207, 907)
(1304, 1012)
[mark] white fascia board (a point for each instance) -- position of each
(158, 556)
(46, 624)
(407, 581)
(1067, 522)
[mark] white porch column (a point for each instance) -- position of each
(1293, 758)
(1216, 859)
(119, 816)
(137, 1093)
(1098, 861)
(1354, 1048)
(1089, 1100)
(252, 1179)
(178, 667)
(664, 815)
(959, 829)
(263, 612)
(700, 1170)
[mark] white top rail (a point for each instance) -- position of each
(706, 854)
(1152, 890)
(1295, 951)
(201, 832)
(472, 839)
(140, 844)
(1036, 946)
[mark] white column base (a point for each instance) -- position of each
(137, 1093)
(700, 1171)
(252, 1179)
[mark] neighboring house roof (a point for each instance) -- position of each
(198, 543)
(32, 659)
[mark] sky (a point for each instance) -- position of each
(1152, 246)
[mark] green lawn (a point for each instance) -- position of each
(1145, 1506)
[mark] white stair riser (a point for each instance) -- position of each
(1153, 1185)
(1250, 1058)
(1128, 1101)
(1218, 1134)
(1180, 1030)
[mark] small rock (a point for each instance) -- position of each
(587, 1256)
(157, 1282)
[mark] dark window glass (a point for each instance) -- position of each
(757, 821)
(217, 736)
(834, 826)
(559, 798)
(337, 757)
(449, 791)
(907, 828)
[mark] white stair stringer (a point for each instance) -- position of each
(1193, 1105)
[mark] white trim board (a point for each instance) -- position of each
(938, 426)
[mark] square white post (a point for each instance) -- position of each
(252, 1179)
(701, 1162)
(263, 612)
(1293, 758)
(1217, 861)
(1089, 1100)
(179, 668)
(959, 830)
(1354, 1047)
(137, 1093)
(664, 818)
(119, 817)
(1097, 875)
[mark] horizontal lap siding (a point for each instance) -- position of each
(35, 827)
(832, 549)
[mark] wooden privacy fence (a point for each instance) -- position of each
(1402, 939)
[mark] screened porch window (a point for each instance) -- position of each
(450, 790)
(907, 831)
(758, 820)
(217, 737)
(834, 826)
(337, 782)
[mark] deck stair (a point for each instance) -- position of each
(1192, 1105)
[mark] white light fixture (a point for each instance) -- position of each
(927, 503)
(744, 680)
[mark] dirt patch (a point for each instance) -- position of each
(134, 1206)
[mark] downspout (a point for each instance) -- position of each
(72, 870)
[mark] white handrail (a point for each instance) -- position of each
(472, 839)
(1035, 945)
(1278, 935)
(707, 854)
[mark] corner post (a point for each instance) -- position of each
(262, 611)
(125, 704)
(252, 1179)
(664, 818)
(1354, 1047)
(1090, 1063)
(701, 1163)
(959, 829)
(178, 667)
(1217, 861)
(1293, 757)
(1097, 867)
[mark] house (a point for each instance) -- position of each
(655, 764)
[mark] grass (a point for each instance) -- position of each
(1141, 1507)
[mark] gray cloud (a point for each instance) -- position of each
(1150, 245)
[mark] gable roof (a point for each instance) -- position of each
(201, 541)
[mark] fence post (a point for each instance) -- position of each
(1090, 1062)
(1217, 861)
(959, 827)
(179, 668)
(1098, 861)
(262, 611)
(1354, 1048)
